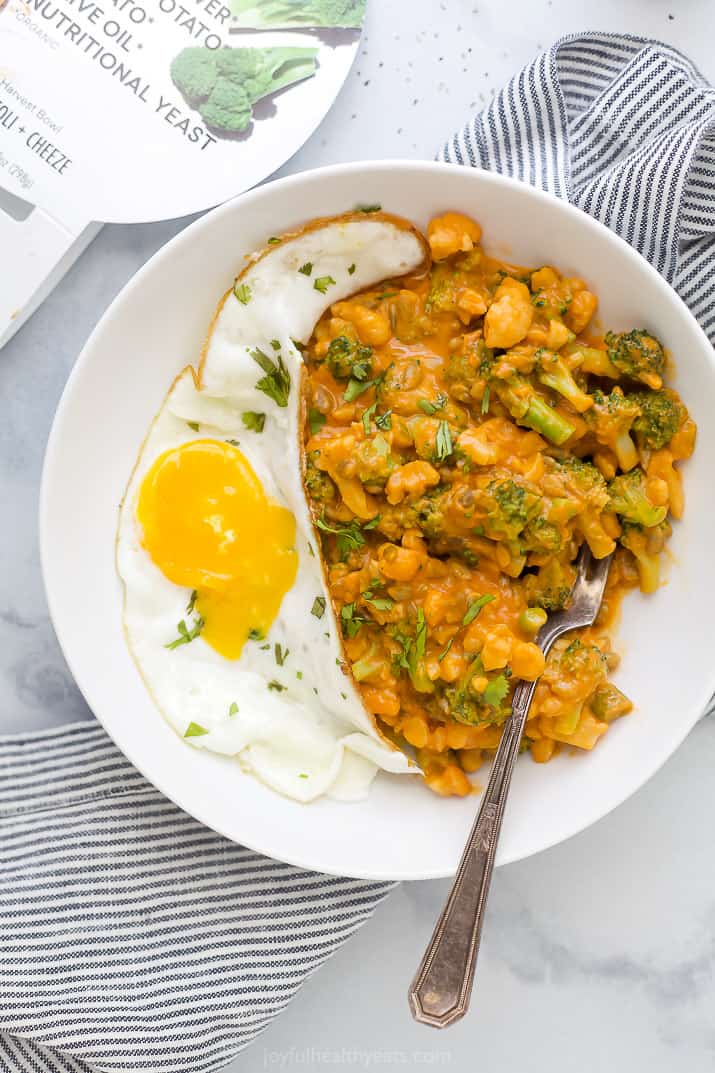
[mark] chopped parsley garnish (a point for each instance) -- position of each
(310, 549)
(368, 208)
(255, 635)
(357, 386)
(496, 691)
(485, 400)
(185, 634)
(351, 622)
(349, 536)
(273, 240)
(380, 603)
(443, 442)
(299, 675)
(302, 775)
(264, 648)
(192, 603)
(366, 416)
(277, 687)
(233, 709)
(243, 293)
(253, 421)
(430, 408)
(194, 425)
(322, 283)
(384, 421)
(318, 608)
(445, 650)
(234, 443)
(475, 606)
(194, 730)
(276, 382)
(307, 268)
(275, 343)
(413, 648)
(351, 269)
(316, 420)
(281, 654)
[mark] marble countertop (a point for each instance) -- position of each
(597, 954)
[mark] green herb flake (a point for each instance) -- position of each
(366, 416)
(318, 608)
(277, 687)
(299, 675)
(316, 420)
(475, 606)
(194, 730)
(445, 650)
(485, 400)
(302, 775)
(443, 443)
(255, 634)
(275, 343)
(233, 709)
(351, 622)
(265, 648)
(253, 421)
(368, 208)
(193, 425)
(306, 269)
(496, 691)
(384, 421)
(322, 283)
(276, 382)
(234, 443)
(351, 269)
(186, 635)
(273, 241)
(380, 603)
(192, 603)
(243, 293)
(281, 654)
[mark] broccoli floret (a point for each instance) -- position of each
(581, 480)
(610, 419)
(464, 366)
(373, 460)
(195, 71)
(550, 587)
(511, 509)
(553, 373)
(582, 661)
(530, 409)
(463, 704)
(285, 14)
(661, 414)
(318, 484)
(347, 358)
(225, 84)
(541, 535)
(637, 355)
(628, 499)
(645, 545)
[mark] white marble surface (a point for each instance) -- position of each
(598, 954)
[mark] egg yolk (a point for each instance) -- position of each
(208, 525)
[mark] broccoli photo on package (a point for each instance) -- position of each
(224, 85)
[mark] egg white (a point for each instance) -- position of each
(314, 737)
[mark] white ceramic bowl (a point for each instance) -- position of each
(157, 324)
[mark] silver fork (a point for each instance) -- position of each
(442, 987)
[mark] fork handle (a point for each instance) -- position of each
(441, 989)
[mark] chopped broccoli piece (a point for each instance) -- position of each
(661, 415)
(645, 545)
(553, 373)
(582, 661)
(286, 14)
(465, 705)
(318, 484)
(581, 480)
(550, 587)
(225, 84)
(465, 365)
(638, 356)
(541, 535)
(346, 359)
(530, 409)
(608, 703)
(512, 508)
(628, 499)
(611, 419)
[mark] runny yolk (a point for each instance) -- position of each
(208, 525)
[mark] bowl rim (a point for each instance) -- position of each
(188, 236)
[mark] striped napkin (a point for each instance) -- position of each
(131, 937)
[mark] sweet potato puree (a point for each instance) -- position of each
(465, 434)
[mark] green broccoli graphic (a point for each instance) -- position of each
(223, 85)
(301, 14)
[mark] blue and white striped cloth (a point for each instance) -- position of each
(131, 937)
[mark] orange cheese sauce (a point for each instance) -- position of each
(463, 432)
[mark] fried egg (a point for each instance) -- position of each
(226, 610)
